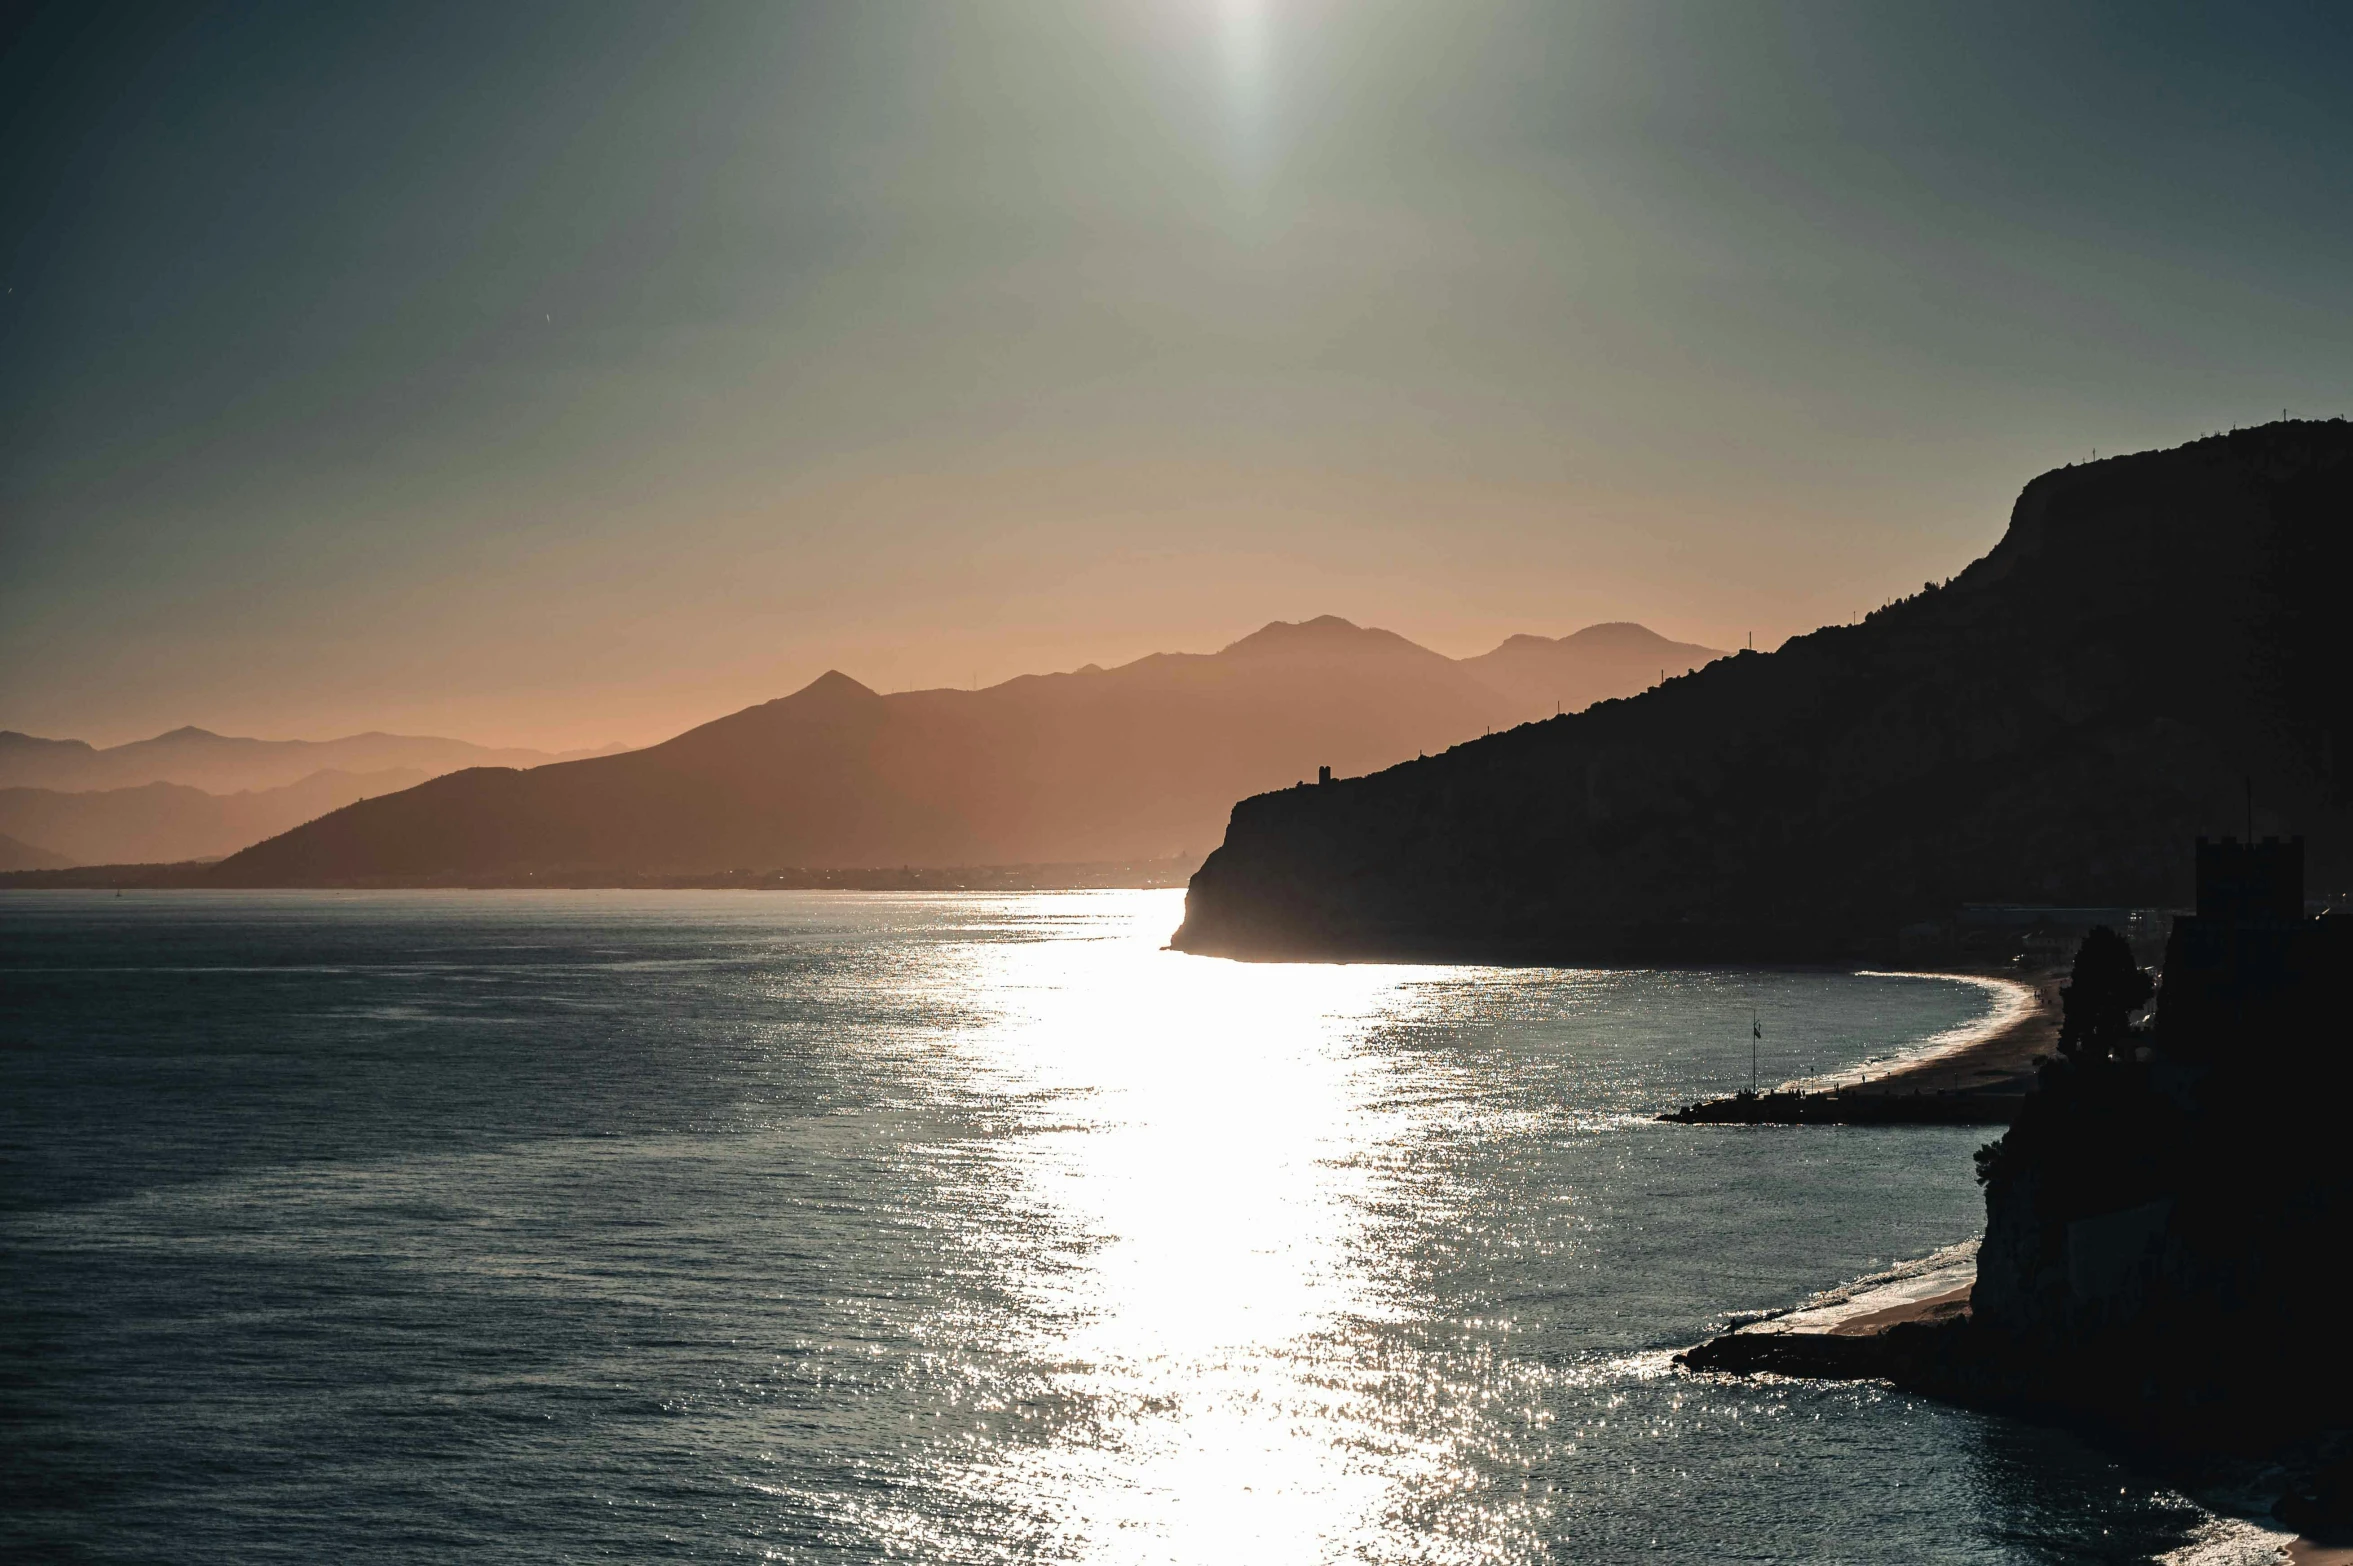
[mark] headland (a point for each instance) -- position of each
(2047, 727)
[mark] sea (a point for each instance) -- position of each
(837, 1227)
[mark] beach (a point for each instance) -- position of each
(1972, 1075)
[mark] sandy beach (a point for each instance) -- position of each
(2001, 1061)
(1837, 1334)
(1971, 1076)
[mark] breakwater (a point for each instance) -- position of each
(1853, 1107)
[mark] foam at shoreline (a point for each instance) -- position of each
(2015, 1002)
(1923, 1277)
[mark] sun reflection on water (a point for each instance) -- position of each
(1226, 1146)
(1302, 1263)
(822, 1229)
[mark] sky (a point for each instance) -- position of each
(556, 374)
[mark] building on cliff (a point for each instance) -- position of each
(2248, 964)
(2159, 1218)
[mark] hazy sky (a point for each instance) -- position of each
(564, 373)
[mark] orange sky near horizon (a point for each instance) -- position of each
(559, 381)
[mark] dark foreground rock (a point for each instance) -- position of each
(2168, 1218)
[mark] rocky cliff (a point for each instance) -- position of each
(2165, 1218)
(2048, 726)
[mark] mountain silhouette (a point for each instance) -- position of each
(227, 764)
(1570, 673)
(1143, 761)
(159, 823)
(2151, 633)
(16, 854)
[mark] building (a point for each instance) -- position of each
(2248, 965)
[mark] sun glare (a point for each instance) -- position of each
(1225, 1143)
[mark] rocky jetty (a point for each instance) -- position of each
(1858, 1107)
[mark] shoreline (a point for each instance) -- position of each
(1978, 1080)
(1902, 1326)
(2023, 1026)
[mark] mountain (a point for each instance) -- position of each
(16, 854)
(160, 823)
(223, 764)
(1541, 675)
(1097, 765)
(2151, 633)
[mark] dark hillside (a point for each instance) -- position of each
(2047, 727)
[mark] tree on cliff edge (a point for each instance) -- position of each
(2100, 996)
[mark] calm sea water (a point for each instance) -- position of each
(824, 1227)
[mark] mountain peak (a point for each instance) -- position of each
(1618, 633)
(1610, 640)
(835, 686)
(1609, 636)
(1326, 632)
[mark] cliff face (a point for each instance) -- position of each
(2163, 1227)
(2047, 727)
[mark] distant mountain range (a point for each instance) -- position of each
(159, 823)
(1140, 762)
(1541, 676)
(192, 794)
(2155, 649)
(223, 764)
(16, 854)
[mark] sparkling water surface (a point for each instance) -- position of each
(839, 1227)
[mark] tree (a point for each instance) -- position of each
(2100, 996)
